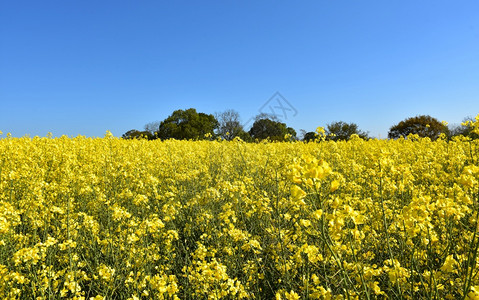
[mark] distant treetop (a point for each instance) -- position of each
(423, 126)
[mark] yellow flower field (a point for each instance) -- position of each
(107, 218)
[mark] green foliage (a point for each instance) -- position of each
(274, 130)
(337, 131)
(187, 124)
(424, 126)
(136, 134)
(463, 129)
(291, 132)
(245, 136)
(309, 136)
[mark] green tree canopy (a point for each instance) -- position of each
(309, 136)
(424, 126)
(337, 131)
(464, 129)
(274, 130)
(136, 134)
(187, 124)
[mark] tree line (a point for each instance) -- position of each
(192, 125)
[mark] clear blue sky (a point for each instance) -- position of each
(84, 67)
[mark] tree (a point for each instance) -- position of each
(187, 124)
(229, 125)
(337, 131)
(292, 133)
(275, 130)
(424, 126)
(456, 130)
(152, 127)
(136, 134)
(267, 116)
(310, 136)
(465, 129)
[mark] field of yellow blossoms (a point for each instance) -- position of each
(106, 218)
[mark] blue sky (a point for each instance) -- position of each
(84, 67)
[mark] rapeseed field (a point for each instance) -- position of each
(107, 218)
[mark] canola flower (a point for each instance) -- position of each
(106, 218)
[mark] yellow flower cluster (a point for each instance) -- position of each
(106, 218)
